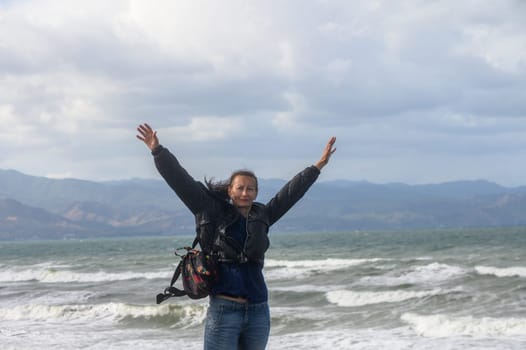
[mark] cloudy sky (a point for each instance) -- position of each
(416, 91)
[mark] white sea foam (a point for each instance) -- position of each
(303, 288)
(517, 271)
(285, 269)
(448, 326)
(349, 298)
(374, 339)
(48, 274)
(284, 317)
(51, 297)
(338, 339)
(329, 263)
(50, 336)
(187, 315)
(426, 274)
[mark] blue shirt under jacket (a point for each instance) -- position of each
(241, 280)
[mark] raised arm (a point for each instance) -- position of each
(192, 193)
(293, 190)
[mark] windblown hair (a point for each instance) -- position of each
(220, 188)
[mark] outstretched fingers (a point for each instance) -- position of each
(331, 143)
(144, 130)
(327, 153)
(147, 135)
(329, 150)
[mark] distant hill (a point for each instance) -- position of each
(39, 208)
(19, 221)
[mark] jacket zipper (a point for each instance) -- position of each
(244, 257)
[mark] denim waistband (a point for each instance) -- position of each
(233, 305)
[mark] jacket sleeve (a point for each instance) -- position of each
(291, 193)
(192, 193)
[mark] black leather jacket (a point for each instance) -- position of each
(214, 215)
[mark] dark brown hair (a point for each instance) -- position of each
(220, 188)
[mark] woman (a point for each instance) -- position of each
(230, 223)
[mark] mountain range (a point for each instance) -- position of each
(34, 207)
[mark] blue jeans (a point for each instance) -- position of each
(231, 325)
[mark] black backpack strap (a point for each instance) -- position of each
(196, 240)
(172, 291)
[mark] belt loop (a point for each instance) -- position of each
(245, 317)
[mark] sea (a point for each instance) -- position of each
(420, 289)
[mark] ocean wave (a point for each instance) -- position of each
(349, 298)
(50, 297)
(305, 288)
(329, 263)
(294, 317)
(47, 274)
(448, 326)
(285, 269)
(431, 273)
(517, 271)
(176, 315)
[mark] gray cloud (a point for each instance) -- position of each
(410, 87)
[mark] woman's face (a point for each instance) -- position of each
(243, 191)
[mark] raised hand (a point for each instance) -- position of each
(327, 153)
(148, 136)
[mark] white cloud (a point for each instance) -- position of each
(58, 103)
(502, 48)
(435, 80)
(16, 133)
(337, 70)
(290, 121)
(207, 129)
(234, 39)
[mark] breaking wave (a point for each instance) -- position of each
(349, 298)
(448, 326)
(58, 275)
(431, 273)
(175, 315)
(517, 271)
(284, 269)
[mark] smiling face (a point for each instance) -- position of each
(243, 190)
